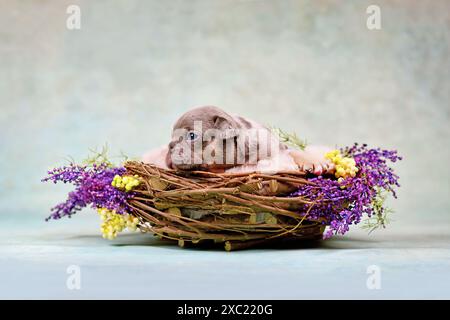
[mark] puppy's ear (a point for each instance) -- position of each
(229, 127)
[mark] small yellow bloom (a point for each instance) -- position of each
(125, 182)
(113, 223)
(332, 154)
(345, 166)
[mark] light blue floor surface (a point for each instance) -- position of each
(34, 257)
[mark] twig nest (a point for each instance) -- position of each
(236, 210)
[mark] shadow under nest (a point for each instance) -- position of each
(235, 210)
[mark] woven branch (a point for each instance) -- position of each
(239, 210)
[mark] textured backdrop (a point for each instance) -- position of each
(310, 67)
(307, 66)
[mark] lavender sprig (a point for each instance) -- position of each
(345, 202)
(93, 187)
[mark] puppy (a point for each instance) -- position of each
(208, 138)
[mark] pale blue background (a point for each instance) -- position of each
(306, 66)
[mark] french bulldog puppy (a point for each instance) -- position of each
(208, 138)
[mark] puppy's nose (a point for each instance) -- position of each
(172, 144)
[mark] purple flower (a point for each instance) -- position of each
(92, 187)
(341, 204)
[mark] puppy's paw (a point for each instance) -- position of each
(312, 160)
(318, 168)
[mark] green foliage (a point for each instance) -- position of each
(98, 157)
(381, 216)
(290, 139)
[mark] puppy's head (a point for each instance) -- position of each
(199, 132)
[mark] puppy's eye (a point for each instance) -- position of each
(191, 135)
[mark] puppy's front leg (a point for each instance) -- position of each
(157, 157)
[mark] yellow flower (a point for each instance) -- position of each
(114, 223)
(332, 154)
(345, 166)
(125, 182)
